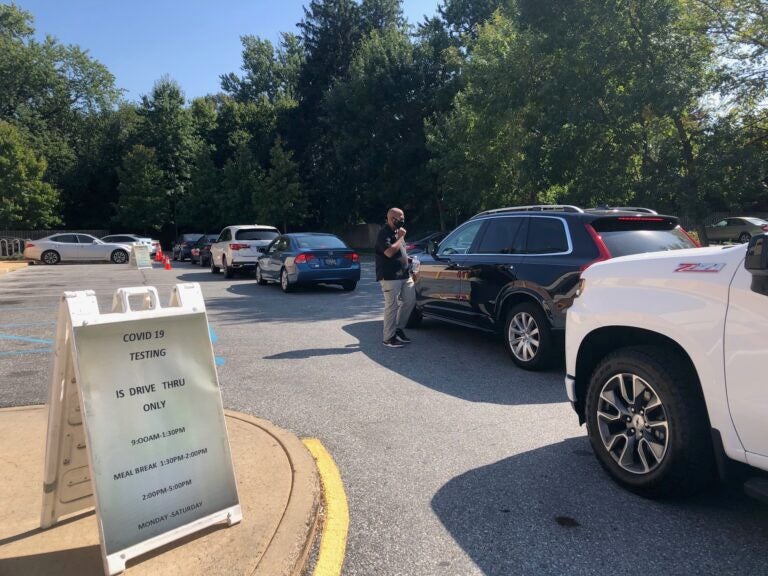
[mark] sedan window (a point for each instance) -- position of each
(65, 238)
(83, 239)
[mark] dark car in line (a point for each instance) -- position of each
(515, 270)
(182, 247)
(201, 251)
(300, 259)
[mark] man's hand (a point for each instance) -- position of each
(401, 233)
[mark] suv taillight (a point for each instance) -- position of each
(238, 246)
(602, 249)
(691, 238)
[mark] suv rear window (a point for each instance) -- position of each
(254, 234)
(624, 236)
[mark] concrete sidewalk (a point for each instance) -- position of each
(11, 265)
(279, 491)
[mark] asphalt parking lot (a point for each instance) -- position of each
(454, 461)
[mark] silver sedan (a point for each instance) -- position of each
(75, 247)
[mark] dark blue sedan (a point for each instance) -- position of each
(304, 258)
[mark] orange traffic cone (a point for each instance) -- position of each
(159, 254)
(167, 263)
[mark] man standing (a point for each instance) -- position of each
(392, 272)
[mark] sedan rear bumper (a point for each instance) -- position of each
(312, 276)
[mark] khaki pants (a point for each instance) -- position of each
(399, 300)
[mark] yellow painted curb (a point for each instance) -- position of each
(333, 543)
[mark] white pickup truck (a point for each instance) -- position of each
(666, 358)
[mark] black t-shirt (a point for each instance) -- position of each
(390, 268)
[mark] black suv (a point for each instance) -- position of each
(515, 270)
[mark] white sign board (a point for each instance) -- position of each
(140, 256)
(158, 451)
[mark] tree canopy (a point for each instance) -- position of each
(662, 103)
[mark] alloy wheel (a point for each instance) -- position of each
(632, 422)
(524, 336)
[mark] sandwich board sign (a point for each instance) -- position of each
(136, 425)
(140, 256)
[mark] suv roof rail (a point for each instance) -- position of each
(532, 208)
(607, 208)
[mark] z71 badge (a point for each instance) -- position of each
(700, 267)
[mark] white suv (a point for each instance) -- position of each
(665, 361)
(239, 247)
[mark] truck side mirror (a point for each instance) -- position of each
(757, 256)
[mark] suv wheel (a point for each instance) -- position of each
(647, 423)
(214, 268)
(528, 337)
(228, 271)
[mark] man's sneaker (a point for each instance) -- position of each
(401, 337)
(393, 343)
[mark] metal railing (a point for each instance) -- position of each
(11, 247)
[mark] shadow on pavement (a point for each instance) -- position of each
(460, 362)
(554, 511)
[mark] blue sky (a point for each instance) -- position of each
(193, 41)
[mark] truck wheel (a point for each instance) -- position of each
(528, 337)
(647, 423)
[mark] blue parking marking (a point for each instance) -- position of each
(218, 359)
(25, 339)
(24, 324)
(32, 351)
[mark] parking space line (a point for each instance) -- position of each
(30, 351)
(25, 339)
(333, 542)
(25, 324)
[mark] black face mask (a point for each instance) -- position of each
(398, 223)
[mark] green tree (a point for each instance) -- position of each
(27, 201)
(202, 207)
(241, 180)
(143, 201)
(379, 145)
(168, 129)
(280, 199)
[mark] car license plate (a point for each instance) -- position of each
(330, 261)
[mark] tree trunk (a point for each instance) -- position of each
(692, 205)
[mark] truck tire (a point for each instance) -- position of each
(647, 423)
